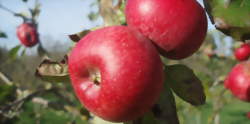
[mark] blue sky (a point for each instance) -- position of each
(58, 19)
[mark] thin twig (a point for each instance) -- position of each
(5, 79)
(107, 12)
(7, 9)
(14, 13)
(8, 107)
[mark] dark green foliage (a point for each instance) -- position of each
(231, 17)
(185, 84)
(7, 94)
(3, 35)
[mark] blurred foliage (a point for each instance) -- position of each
(3, 35)
(7, 93)
(14, 52)
(30, 100)
(93, 16)
(231, 17)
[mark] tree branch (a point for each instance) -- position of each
(7, 9)
(107, 12)
(5, 79)
(9, 107)
(14, 13)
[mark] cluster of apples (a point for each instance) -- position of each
(117, 72)
(27, 34)
(238, 80)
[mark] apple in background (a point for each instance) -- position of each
(177, 27)
(243, 52)
(248, 115)
(238, 81)
(117, 75)
(27, 34)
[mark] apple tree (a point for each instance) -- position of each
(150, 62)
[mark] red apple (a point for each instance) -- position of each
(243, 52)
(177, 27)
(27, 34)
(248, 115)
(117, 75)
(238, 81)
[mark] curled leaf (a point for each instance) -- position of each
(78, 36)
(52, 71)
(185, 84)
(230, 17)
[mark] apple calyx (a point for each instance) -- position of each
(95, 76)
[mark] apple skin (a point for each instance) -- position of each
(238, 81)
(177, 27)
(27, 34)
(130, 68)
(243, 52)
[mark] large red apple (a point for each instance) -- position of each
(177, 27)
(243, 52)
(238, 81)
(27, 34)
(117, 75)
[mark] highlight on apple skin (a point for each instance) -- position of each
(27, 34)
(177, 27)
(116, 74)
(238, 81)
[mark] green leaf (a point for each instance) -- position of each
(231, 17)
(7, 93)
(14, 52)
(185, 84)
(93, 16)
(163, 112)
(52, 71)
(78, 36)
(3, 35)
(34, 113)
